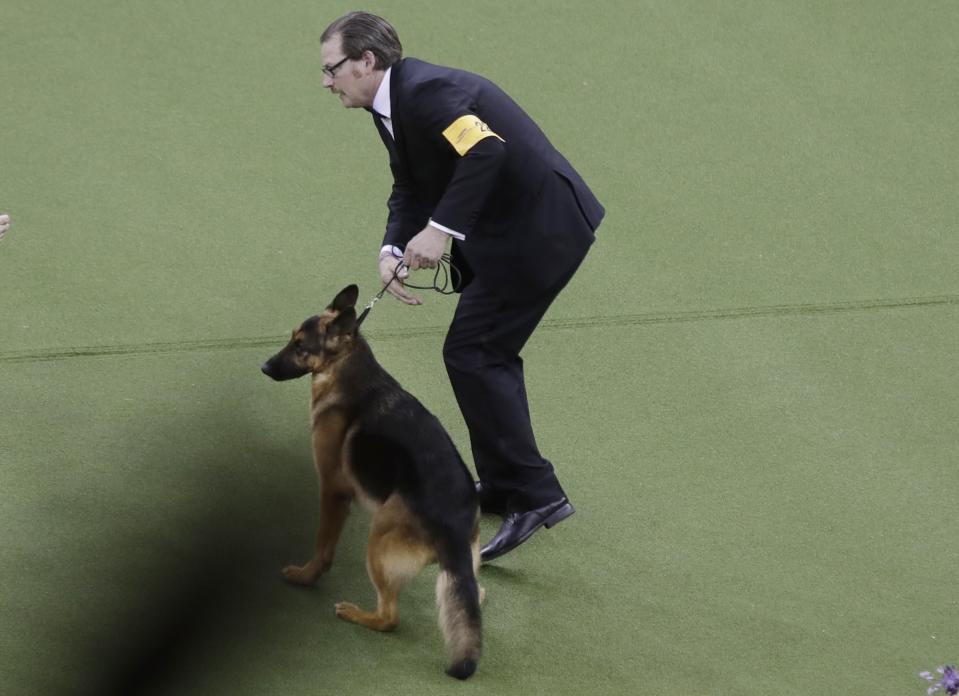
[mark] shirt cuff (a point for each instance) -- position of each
(452, 233)
(391, 250)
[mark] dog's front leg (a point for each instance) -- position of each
(334, 509)
(336, 495)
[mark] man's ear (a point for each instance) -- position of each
(369, 59)
(346, 298)
(344, 324)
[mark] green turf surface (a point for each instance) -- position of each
(749, 389)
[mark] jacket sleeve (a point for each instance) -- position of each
(455, 126)
(406, 214)
(473, 179)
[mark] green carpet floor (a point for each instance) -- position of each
(749, 390)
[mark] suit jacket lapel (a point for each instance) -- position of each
(394, 143)
(395, 76)
(386, 137)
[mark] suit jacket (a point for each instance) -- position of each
(527, 215)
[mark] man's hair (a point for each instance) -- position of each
(361, 32)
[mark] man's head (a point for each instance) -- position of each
(356, 50)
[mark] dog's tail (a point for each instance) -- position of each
(457, 596)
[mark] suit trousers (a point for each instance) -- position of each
(482, 356)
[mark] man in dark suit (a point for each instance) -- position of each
(471, 169)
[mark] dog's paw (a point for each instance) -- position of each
(348, 610)
(301, 575)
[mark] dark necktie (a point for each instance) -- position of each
(385, 135)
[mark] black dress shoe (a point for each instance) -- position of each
(519, 526)
(492, 501)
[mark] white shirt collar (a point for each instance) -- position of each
(381, 100)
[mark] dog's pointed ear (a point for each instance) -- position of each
(346, 298)
(344, 324)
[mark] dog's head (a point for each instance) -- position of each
(317, 341)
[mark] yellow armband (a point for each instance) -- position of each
(466, 131)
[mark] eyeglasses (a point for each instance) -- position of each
(330, 70)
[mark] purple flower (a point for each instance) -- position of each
(949, 682)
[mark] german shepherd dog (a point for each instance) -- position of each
(374, 441)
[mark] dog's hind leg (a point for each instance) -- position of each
(395, 555)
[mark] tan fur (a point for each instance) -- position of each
(336, 489)
(460, 643)
(396, 553)
(398, 547)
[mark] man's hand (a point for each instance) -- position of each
(388, 266)
(426, 249)
(4, 224)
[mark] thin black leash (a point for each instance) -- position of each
(452, 278)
